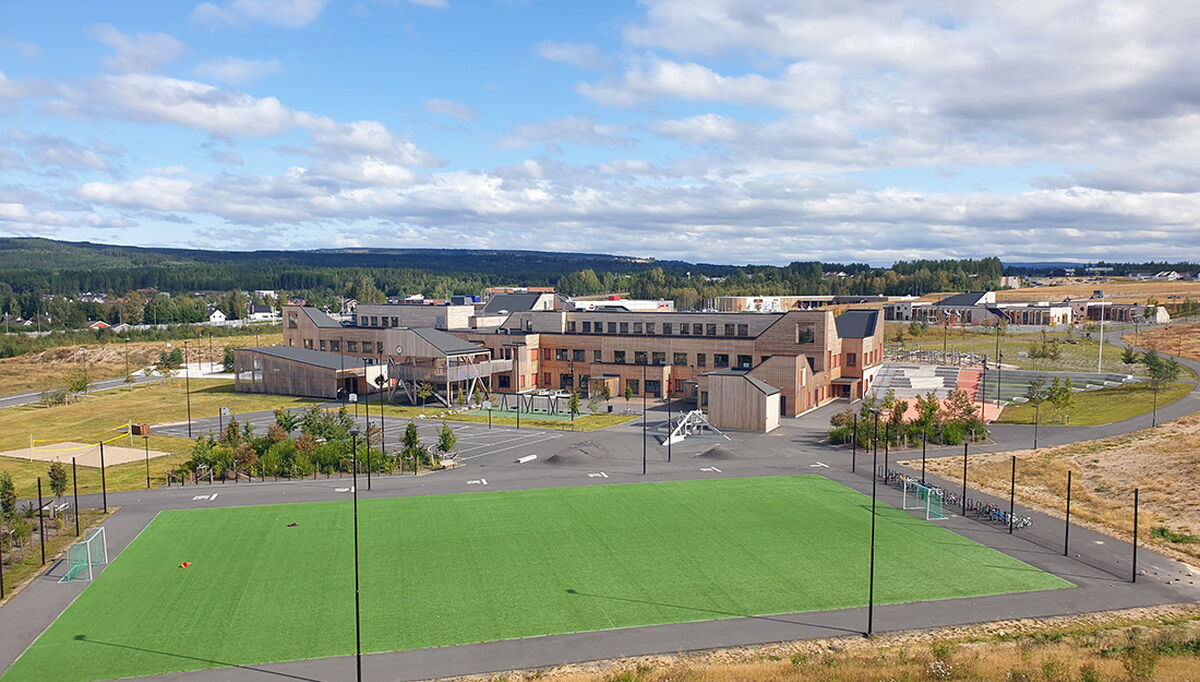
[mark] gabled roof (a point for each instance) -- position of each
(320, 319)
(256, 308)
(307, 356)
(857, 324)
(761, 385)
(446, 343)
(513, 303)
(963, 300)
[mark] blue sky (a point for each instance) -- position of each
(751, 131)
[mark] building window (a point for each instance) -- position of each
(396, 322)
(667, 328)
(571, 326)
(308, 343)
(560, 354)
(711, 329)
(683, 328)
(545, 378)
(545, 353)
(352, 346)
(502, 381)
(577, 355)
(612, 327)
(379, 348)
(374, 321)
(634, 385)
(649, 327)
(658, 358)
(522, 381)
(639, 357)
(679, 359)
(322, 344)
(292, 321)
(701, 359)
(720, 359)
(729, 329)
(619, 357)
(804, 334)
(637, 327)
(744, 361)
(743, 330)
(335, 346)
(703, 398)
(624, 327)
(697, 329)
(597, 356)
(851, 360)
(587, 326)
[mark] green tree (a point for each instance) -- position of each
(1129, 358)
(228, 359)
(1035, 391)
(286, 420)
(424, 391)
(79, 381)
(628, 392)
(413, 450)
(446, 440)
(607, 394)
(58, 479)
(8, 494)
(1162, 372)
(573, 403)
(1061, 395)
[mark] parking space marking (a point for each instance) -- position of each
(518, 445)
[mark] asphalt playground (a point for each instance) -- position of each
(504, 458)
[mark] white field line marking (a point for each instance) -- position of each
(710, 469)
(818, 464)
(518, 445)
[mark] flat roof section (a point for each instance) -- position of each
(314, 358)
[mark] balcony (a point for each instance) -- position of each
(441, 373)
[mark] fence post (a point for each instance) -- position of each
(1067, 527)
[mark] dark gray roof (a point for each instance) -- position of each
(256, 308)
(319, 318)
(315, 358)
(511, 302)
(447, 343)
(761, 385)
(963, 300)
(857, 324)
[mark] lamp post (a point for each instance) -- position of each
(669, 379)
(1037, 417)
(187, 382)
(1154, 414)
(367, 407)
(871, 579)
(357, 616)
(126, 356)
(643, 387)
(146, 440)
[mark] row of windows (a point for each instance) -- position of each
(335, 346)
(641, 357)
(668, 328)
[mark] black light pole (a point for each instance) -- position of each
(382, 424)
(998, 356)
(1, 573)
(668, 421)
(983, 389)
(75, 485)
(41, 524)
(103, 483)
(187, 382)
(1012, 495)
(367, 407)
(924, 438)
(357, 616)
(1134, 536)
(875, 441)
(964, 493)
(887, 438)
(1037, 417)
(854, 445)
(1154, 418)
(146, 439)
(643, 387)
(871, 578)
(1067, 527)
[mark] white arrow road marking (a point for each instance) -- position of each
(478, 481)
(710, 469)
(598, 475)
(199, 497)
(344, 490)
(819, 464)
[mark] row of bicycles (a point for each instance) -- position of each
(985, 511)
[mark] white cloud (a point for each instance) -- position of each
(454, 109)
(30, 50)
(700, 128)
(237, 71)
(153, 192)
(573, 129)
(581, 55)
(59, 153)
(280, 13)
(10, 89)
(133, 53)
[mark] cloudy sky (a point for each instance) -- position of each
(731, 131)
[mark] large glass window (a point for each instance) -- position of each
(667, 328)
(701, 359)
(612, 327)
(634, 385)
(597, 356)
(639, 357)
(743, 330)
(744, 361)
(658, 358)
(587, 326)
(619, 357)
(679, 359)
(711, 329)
(577, 355)
(684, 329)
(571, 326)
(560, 354)
(729, 329)
(698, 329)
(637, 327)
(624, 327)
(720, 359)
(649, 327)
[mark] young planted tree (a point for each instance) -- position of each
(1163, 372)
(1061, 396)
(58, 480)
(8, 494)
(446, 440)
(79, 381)
(1129, 358)
(424, 391)
(286, 420)
(412, 450)
(573, 404)
(607, 394)
(228, 359)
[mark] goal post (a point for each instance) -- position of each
(84, 556)
(920, 496)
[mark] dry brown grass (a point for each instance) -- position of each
(1118, 291)
(1180, 340)
(1164, 463)
(50, 368)
(1049, 649)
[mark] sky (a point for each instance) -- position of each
(720, 131)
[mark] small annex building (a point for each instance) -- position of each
(285, 370)
(737, 400)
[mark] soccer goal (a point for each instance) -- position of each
(920, 496)
(84, 556)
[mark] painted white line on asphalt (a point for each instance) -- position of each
(477, 481)
(710, 469)
(344, 490)
(199, 497)
(818, 464)
(526, 459)
(518, 445)
(213, 496)
(600, 474)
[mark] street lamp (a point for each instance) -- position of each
(1037, 417)
(643, 387)
(187, 382)
(126, 356)
(357, 616)
(874, 483)
(146, 440)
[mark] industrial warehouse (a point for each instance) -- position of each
(745, 369)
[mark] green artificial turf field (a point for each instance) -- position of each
(473, 567)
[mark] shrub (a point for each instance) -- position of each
(840, 435)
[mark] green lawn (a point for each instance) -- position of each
(1076, 354)
(1103, 406)
(453, 569)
